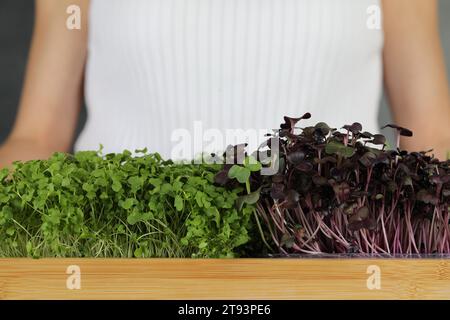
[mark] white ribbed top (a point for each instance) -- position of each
(155, 66)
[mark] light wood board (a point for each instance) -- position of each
(226, 279)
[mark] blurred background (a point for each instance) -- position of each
(16, 22)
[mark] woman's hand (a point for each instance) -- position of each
(52, 93)
(415, 74)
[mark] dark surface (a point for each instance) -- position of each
(16, 21)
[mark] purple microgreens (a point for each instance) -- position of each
(336, 193)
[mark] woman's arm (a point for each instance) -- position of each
(415, 75)
(52, 93)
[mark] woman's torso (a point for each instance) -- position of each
(159, 70)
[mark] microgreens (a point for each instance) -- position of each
(342, 191)
(117, 205)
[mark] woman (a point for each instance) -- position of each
(151, 67)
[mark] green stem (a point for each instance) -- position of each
(261, 231)
(247, 185)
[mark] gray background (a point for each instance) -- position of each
(16, 21)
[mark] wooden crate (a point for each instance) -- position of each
(226, 279)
